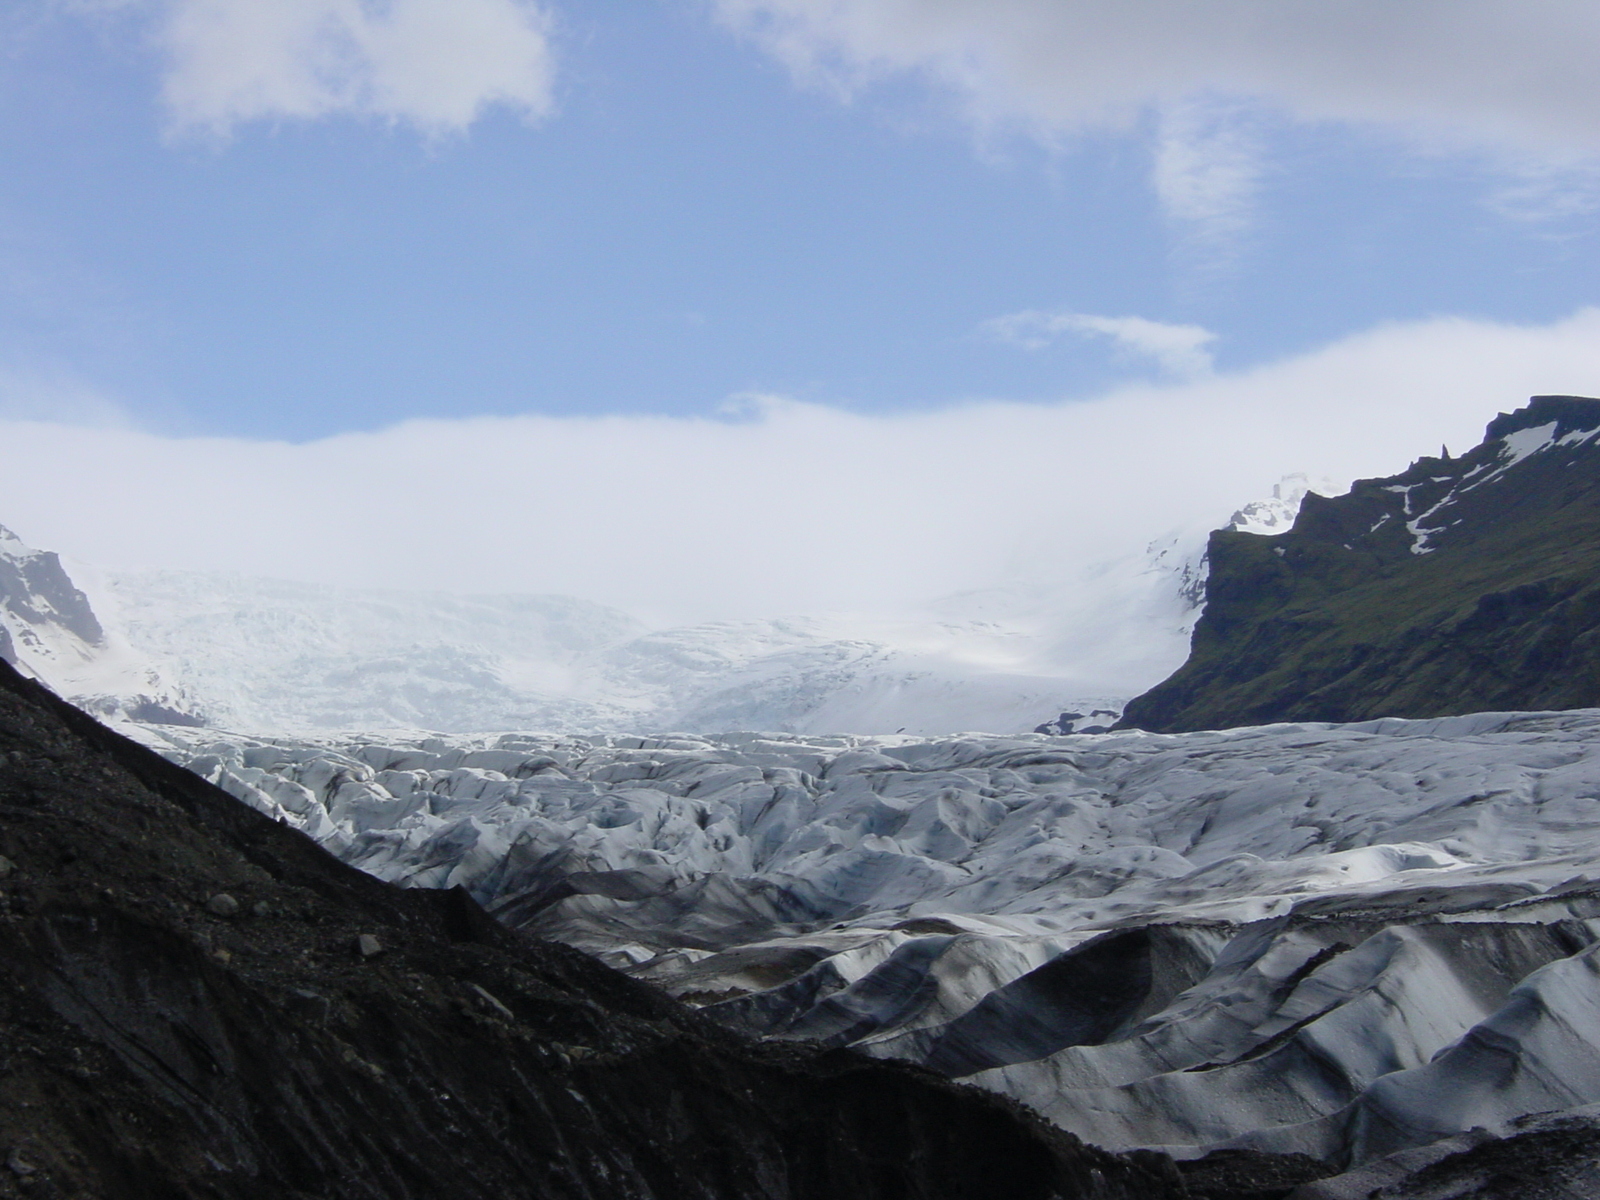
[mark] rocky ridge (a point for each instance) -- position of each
(50, 630)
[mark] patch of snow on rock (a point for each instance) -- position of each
(1276, 513)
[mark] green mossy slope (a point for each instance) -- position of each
(1462, 585)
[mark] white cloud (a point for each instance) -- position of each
(1515, 76)
(433, 64)
(1179, 350)
(1546, 190)
(790, 508)
(1207, 170)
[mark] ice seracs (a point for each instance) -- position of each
(1285, 938)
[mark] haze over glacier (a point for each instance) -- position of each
(259, 654)
(265, 655)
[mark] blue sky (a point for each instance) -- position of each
(799, 303)
(688, 215)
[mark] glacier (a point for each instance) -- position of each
(1375, 944)
(277, 655)
(264, 655)
(1047, 640)
(1344, 941)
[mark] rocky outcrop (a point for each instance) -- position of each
(38, 598)
(1096, 720)
(1462, 585)
(196, 1001)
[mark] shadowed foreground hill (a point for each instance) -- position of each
(1463, 585)
(186, 1011)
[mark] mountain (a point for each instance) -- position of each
(44, 618)
(197, 1002)
(1463, 584)
(49, 629)
(1178, 578)
(1361, 949)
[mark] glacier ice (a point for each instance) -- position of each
(276, 655)
(1289, 938)
(1349, 941)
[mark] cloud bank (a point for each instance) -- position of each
(433, 64)
(1511, 77)
(794, 508)
(1509, 70)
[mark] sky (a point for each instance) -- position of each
(705, 307)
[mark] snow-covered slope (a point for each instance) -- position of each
(49, 629)
(263, 654)
(273, 654)
(270, 655)
(1338, 940)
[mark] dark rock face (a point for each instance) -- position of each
(1462, 585)
(158, 1042)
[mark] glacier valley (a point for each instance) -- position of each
(1372, 945)
(1351, 942)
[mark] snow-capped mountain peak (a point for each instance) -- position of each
(1277, 513)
